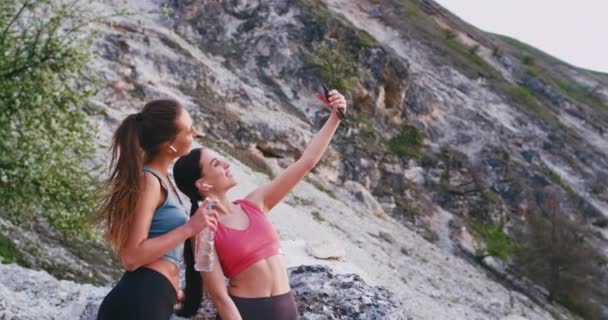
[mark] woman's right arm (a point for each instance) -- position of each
(215, 283)
(139, 250)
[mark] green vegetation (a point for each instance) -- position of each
(491, 197)
(298, 201)
(601, 74)
(443, 41)
(367, 40)
(560, 83)
(492, 241)
(555, 178)
(552, 253)
(316, 215)
(580, 93)
(467, 59)
(448, 49)
(320, 187)
(318, 9)
(524, 98)
(46, 137)
(9, 252)
(449, 34)
(405, 204)
(166, 10)
(337, 66)
(527, 60)
(496, 52)
(337, 53)
(363, 120)
(474, 49)
(533, 72)
(366, 134)
(407, 143)
(585, 309)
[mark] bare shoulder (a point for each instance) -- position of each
(149, 183)
(257, 197)
(151, 190)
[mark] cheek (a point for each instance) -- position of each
(186, 141)
(184, 144)
(217, 174)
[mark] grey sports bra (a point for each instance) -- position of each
(170, 215)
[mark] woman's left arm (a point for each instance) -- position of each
(269, 195)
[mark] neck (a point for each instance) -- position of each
(225, 205)
(160, 164)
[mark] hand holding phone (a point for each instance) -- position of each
(339, 111)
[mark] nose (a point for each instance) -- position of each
(195, 133)
(226, 165)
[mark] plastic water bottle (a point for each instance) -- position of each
(203, 253)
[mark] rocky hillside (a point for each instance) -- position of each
(451, 132)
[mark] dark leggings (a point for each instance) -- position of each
(140, 294)
(281, 307)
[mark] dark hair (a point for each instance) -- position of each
(185, 173)
(137, 139)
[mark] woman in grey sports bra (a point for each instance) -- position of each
(142, 214)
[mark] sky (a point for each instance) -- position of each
(573, 31)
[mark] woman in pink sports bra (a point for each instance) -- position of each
(246, 243)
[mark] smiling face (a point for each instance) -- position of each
(215, 172)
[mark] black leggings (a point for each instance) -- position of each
(281, 307)
(140, 294)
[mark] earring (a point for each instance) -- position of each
(172, 148)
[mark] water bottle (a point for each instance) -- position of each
(203, 253)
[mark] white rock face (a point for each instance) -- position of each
(33, 295)
(416, 174)
(326, 250)
(364, 198)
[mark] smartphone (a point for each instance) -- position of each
(341, 114)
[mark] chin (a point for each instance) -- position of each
(231, 184)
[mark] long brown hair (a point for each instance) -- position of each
(186, 171)
(136, 141)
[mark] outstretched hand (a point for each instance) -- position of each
(336, 100)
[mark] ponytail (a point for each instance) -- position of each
(194, 282)
(137, 139)
(123, 184)
(185, 173)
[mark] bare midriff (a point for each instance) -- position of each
(265, 278)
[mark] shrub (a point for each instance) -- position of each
(492, 241)
(46, 138)
(407, 143)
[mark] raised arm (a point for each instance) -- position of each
(139, 249)
(269, 195)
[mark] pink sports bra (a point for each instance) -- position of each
(239, 249)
